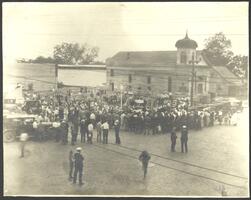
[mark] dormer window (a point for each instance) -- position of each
(183, 57)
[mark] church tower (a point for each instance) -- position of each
(186, 48)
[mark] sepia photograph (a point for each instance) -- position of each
(125, 99)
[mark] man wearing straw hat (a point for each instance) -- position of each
(78, 171)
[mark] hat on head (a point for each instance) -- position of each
(184, 126)
(78, 148)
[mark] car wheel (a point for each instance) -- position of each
(9, 136)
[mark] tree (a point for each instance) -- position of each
(73, 53)
(238, 64)
(217, 49)
(41, 59)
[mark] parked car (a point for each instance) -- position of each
(15, 124)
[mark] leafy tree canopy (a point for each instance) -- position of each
(217, 50)
(73, 53)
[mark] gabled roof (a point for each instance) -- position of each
(143, 58)
(202, 52)
(148, 58)
(226, 74)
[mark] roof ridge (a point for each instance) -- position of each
(148, 51)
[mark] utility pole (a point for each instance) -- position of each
(193, 62)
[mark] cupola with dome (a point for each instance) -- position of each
(186, 48)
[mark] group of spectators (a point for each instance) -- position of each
(83, 115)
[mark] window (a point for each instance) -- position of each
(169, 84)
(200, 88)
(183, 57)
(112, 72)
(149, 88)
(130, 78)
(112, 84)
(149, 79)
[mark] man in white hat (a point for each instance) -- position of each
(184, 138)
(78, 158)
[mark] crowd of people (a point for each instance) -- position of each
(82, 116)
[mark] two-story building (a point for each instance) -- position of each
(156, 72)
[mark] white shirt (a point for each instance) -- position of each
(90, 127)
(23, 137)
(92, 116)
(35, 124)
(105, 125)
(55, 124)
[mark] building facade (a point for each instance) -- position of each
(156, 72)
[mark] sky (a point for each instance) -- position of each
(32, 29)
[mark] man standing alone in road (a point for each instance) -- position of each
(78, 158)
(23, 139)
(144, 158)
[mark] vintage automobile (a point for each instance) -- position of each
(15, 124)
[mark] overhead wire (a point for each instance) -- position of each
(138, 82)
(168, 167)
(186, 163)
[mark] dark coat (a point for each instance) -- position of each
(144, 157)
(78, 159)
